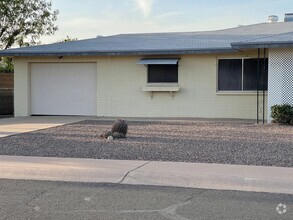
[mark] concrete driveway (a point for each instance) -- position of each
(11, 126)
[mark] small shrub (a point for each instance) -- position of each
(119, 130)
(120, 126)
(282, 114)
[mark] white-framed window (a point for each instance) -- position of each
(240, 74)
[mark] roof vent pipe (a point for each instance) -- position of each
(288, 17)
(273, 19)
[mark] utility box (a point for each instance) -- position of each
(288, 17)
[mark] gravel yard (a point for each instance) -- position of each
(185, 141)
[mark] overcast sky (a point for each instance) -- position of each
(88, 18)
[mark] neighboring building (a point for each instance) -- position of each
(213, 74)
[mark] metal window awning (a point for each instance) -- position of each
(159, 61)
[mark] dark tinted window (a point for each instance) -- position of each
(233, 77)
(230, 74)
(162, 73)
(250, 74)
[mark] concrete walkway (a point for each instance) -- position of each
(11, 126)
(208, 176)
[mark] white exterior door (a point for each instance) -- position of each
(64, 89)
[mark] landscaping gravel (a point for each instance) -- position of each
(185, 141)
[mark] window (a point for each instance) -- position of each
(241, 75)
(250, 74)
(230, 75)
(162, 73)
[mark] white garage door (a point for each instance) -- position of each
(64, 89)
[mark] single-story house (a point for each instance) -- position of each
(233, 73)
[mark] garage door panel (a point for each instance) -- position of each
(63, 89)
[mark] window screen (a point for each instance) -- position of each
(230, 74)
(250, 74)
(241, 74)
(162, 73)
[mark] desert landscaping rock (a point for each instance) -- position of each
(186, 141)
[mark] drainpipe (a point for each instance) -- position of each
(263, 89)
(257, 85)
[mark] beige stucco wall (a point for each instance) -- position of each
(119, 89)
(21, 89)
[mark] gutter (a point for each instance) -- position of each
(116, 53)
(255, 45)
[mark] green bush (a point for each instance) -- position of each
(282, 114)
(6, 65)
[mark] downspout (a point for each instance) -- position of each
(257, 85)
(263, 87)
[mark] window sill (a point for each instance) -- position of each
(161, 87)
(240, 92)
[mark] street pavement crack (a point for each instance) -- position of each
(124, 177)
(40, 194)
(32, 199)
(170, 212)
(90, 197)
(102, 211)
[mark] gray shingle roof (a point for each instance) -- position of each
(272, 41)
(162, 43)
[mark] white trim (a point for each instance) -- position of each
(238, 93)
(158, 61)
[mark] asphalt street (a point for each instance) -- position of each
(21, 199)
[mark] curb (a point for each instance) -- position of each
(215, 176)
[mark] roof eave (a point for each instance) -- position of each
(257, 45)
(118, 53)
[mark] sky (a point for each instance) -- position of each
(84, 19)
